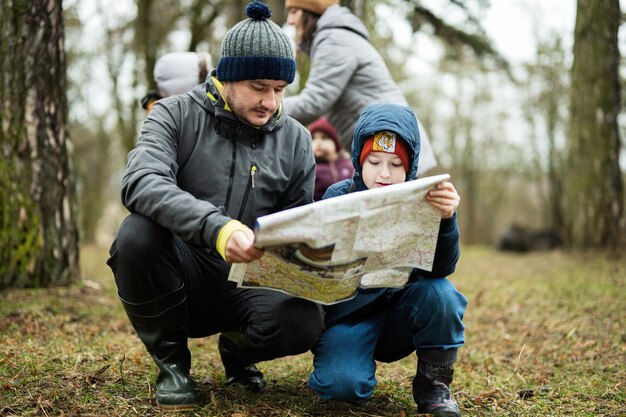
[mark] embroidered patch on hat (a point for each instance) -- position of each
(384, 142)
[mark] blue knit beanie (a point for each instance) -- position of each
(256, 49)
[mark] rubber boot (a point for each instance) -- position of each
(431, 389)
(239, 370)
(161, 324)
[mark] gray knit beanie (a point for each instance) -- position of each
(256, 49)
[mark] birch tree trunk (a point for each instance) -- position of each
(38, 225)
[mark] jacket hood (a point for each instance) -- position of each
(340, 17)
(208, 96)
(337, 17)
(393, 117)
(179, 72)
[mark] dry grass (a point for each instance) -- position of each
(545, 337)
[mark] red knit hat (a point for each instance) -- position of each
(388, 142)
(323, 125)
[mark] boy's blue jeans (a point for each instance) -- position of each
(425, 314)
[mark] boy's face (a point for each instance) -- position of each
(324, 148)
(381, 169)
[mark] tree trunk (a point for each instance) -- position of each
(201, 18)
(594, 187)
(144, 28)
(38, 229)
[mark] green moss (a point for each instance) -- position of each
(19, 231)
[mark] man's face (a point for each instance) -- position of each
(254, 101)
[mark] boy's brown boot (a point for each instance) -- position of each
(431, 389)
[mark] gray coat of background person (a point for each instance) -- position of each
(347, 74)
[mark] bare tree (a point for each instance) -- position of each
(202, 15)
(480, 159)
(545, 111)
(38, 227)
(150, 29)
(127, 50)
(471, 36)
(594, 189)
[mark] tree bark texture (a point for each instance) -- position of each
(38, 230)
(594, 185)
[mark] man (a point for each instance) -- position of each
(207, 164)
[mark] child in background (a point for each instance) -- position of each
(177, 73)
(332, 161)
(388, 324)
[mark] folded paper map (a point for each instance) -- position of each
(325, 250)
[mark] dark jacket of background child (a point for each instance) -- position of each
(329, 172)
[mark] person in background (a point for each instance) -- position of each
(347, 73)
(332, 161)
(388, 324)
(208, 163)
(177, 73)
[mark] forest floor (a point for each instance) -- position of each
(545, 336)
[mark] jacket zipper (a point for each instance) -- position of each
(249, 187)
(232, 175)
(232, 165)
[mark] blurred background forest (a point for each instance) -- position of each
(534, 142)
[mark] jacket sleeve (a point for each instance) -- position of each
(332, 66)
(447, 252)
(338, 188)
(149, 184)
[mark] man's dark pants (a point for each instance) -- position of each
(149, 261)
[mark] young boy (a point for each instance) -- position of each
(388, 324)
(332, 161)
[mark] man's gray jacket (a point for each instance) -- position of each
(196, 166)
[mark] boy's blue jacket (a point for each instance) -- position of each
(402, 121)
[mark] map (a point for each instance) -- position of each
(326, 250)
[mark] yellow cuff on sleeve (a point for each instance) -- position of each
(225, 233)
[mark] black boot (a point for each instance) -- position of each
(431, 388)
(161, 324)
(238, 368)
